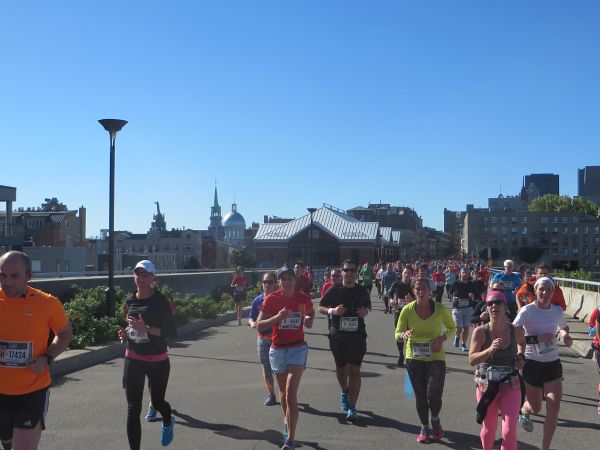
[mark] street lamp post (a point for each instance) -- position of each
(310, 236)
(112, 126)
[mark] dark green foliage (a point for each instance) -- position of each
(563, 203)
(86, 309)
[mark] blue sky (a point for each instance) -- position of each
(426, 104)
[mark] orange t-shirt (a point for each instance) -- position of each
(25, 324)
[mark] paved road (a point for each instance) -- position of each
(217, 394)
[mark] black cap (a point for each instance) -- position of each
(284, 269)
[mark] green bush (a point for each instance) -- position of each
(86, 310)
(579, 274)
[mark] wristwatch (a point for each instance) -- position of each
(49, 358)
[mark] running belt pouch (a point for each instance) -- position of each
(488, 397)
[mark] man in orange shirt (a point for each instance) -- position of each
(26, 317)
(558, 298)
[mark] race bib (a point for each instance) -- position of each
(349, 323)
(540, 348)
(293, 322)
(464, 302)
(15, 354)
(136, 336)
(496, 373)
(421, 349)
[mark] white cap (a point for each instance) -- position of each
(148, 266)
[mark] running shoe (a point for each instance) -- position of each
(239, 323)
(151, 414)
(423, 437)
(463, 348)
(289, 445)
(456, 342)
(271, 400)
(437, 432)
(167, 433)
(526, 422)
(351, 416)
(344, 401)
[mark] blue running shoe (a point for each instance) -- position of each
(167, 433)
(351, 416)
(151, 414)
(344, 401)
(289, 445)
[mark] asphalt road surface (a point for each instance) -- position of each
(217, 394)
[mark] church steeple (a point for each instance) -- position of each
(216, 221)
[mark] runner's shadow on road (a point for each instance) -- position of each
(236, 432)
(464, 441)
(312, 333)
(383, 355)
(58, 382)
(454, 369)
(567, 423)
(228, 430)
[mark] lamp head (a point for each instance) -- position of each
(112, 125)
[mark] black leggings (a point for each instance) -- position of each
(427, 378)
(134, 377)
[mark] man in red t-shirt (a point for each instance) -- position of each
(303, 283)
(336, 278)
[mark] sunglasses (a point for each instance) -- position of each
(348, 270)
(268, 281)
(494, 302)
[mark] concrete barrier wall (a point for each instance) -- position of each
(201, 283)
(580, 303)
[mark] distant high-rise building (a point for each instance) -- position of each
(588, 183)
(543, 183)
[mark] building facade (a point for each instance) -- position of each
(565, 240)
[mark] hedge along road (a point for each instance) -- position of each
(216, 392)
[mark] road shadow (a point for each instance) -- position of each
(579, 397)
(60, 381)
(383, 355)
(568, 423)
(236, 432)
(454, 369)
(312, 333)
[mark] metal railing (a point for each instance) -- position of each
(592, 286)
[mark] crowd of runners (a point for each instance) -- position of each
(508, 324)
(515, 320)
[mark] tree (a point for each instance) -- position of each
(563, 203)
(495, 253)
(530, 254)
(242, 258)
(192, 263)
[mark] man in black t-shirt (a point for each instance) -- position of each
(347, 305)
(401, 293)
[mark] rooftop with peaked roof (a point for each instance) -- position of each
(338, 224)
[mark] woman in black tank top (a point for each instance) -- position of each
(494, 351)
